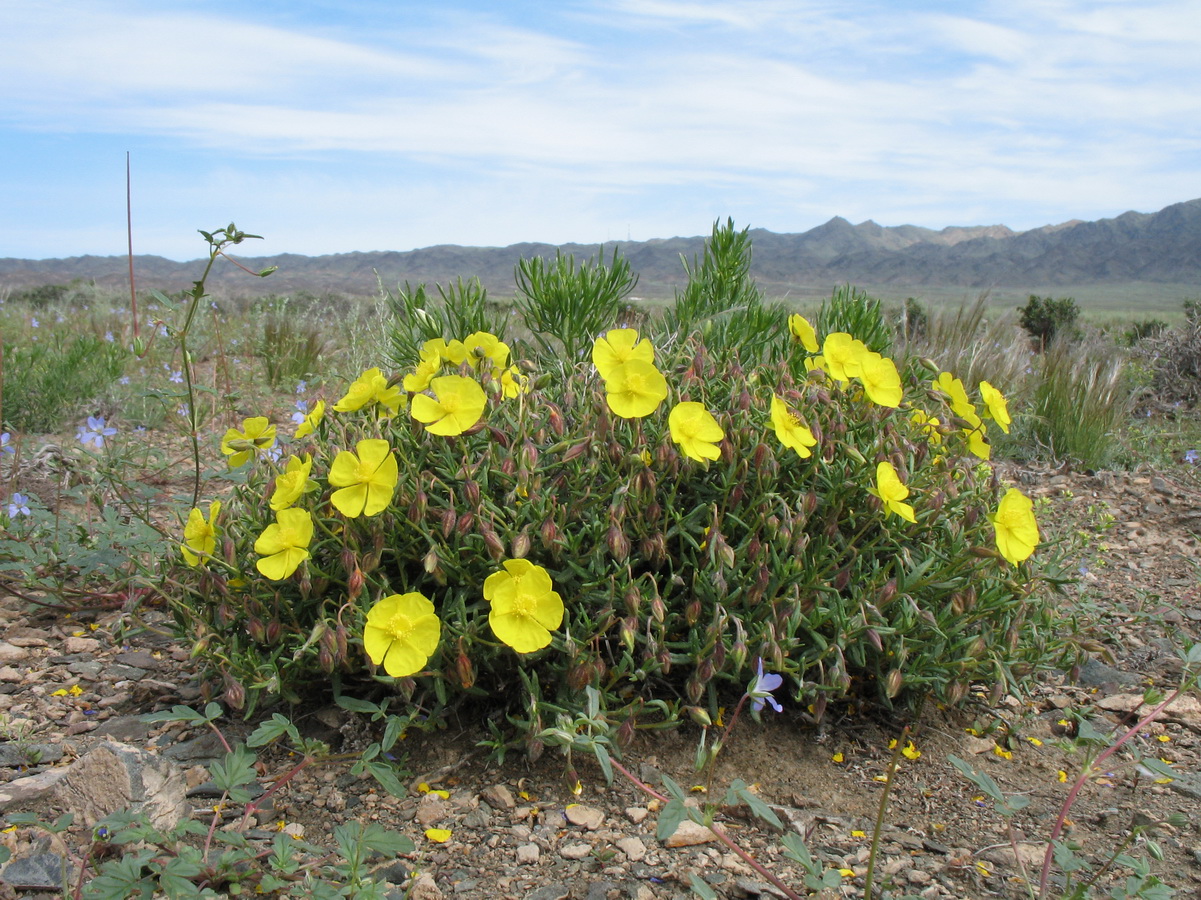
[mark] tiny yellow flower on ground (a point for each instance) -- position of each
(635, 389)
(847, 873)
(200, 535)
(842, 354)
(294, 481)
(799, 328)
(1015, 526)
(838, 757)
(995, 405)
(367, 478)
(401, 634)
(459, 405)
(618, 347)
(1034, 742)
(438, 835)
(881, 381)
(858, 834)
(311, 420)
(1062, 776)
(1002, 752)
(257, 434)
(695, 430)
(1164, 738)
(283, 544)
(910, 751)
(892, 491)
(789, 429)
(525, 606)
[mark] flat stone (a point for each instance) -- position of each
(637, 814)
(13, 755)
(424, 888)
(431, 809)
(588, 817)
(550, 892)
(11, 653)
(36, 872)
(632, 847)
(498, 797)
(477, 818)
(207, 746)
(575, 851)
(8, 673)
(23, 791)
(689, 834)
(86, 668)
(116, 776)
(139, 659)
(528, 854)
(80, 645)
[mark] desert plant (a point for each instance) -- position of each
(531, 539)
(853, 311)
(566, 307)
(1045, 318)
(289, 346)
(50, 380)
(462, 307)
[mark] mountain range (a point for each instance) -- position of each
(1162, 247)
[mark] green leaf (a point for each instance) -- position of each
(177, 713)
(670, 818)
(674, 789)
(385, 774)
(393, 731)
(758, 807)
(360, 706)
(235, 770)
(272, 729)
(700, 888)
(389, 843)
(602, 757)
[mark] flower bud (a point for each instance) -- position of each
(664, 660)
(549, 533)
(627, 632)
(575, 450)
(496, 547)
(887, 593)
(256, 629)
(508, 465)
(521, 545)
(699, 715)
(228, 550)
(633, 600)
(956, 693)
(529, 454)
(619, 544)
(842, 579)
(893, 683)
(466, 523)
(692, 611)
(819, 707)
(448, 522)
(625, 733)
(658, 611)
(874, 637)
(704, 671)
(235, 694)
(694, 690)
(557, 424)
(354, 584)
(272, 632)
(325, 659)
(471, 490)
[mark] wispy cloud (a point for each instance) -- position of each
(578, 122)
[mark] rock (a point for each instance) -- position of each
(477, 818)
(575, 851)
(498, 797)
(11, 653)
(1030, 854)
(139, 659)
(206, 747)
(431, 809)
(126, 729)
(1095, 673)
(80, 645)
(424, 888)
(117, 776)
(689, 834)
(588, 817)
(1183, 708)
(9, 674)
(14, 755)
(23, 791)
(632, 847)
(528, 854)
(599, 890)
(36, 872)
(637, 814)
(550, 892)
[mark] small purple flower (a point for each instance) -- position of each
(162, 331)
(760, 689)
(302, 386)
(124, 379)
(275, 453)
(108, 336)
(95, 432)
(1191, 457)
(18, 505)
(177, 377)
(34, 322)
(5, 440)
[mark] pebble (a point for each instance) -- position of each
(498, 797)
(528, 854)
(632, 847)
(10, 653)
(637, 814)
(588, 817)
(575, 851)
(689, 834)
(80, 645)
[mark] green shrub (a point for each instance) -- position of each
(289, 345)
(462, 308)
(54, 379)
(852, 311)
(670, 575)
(1045, 318)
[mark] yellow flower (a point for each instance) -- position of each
(635, 389)
(890, 489)
(200, 536)
(838, 757)
(402, 633)
(293, 482)
(617, 347)
(842, 353)
(815, 363)
(996, 406)
(257, 434)
(858, 834)
(1002, 752)
(367, 480)
(369, 389)
(880, 378)
(314, 417)
(459, 405)
(953, 388)
(976, 441)
(789, 429)
(438, 835)
(1062, 776)
(525, 607)
(800, 329)
(695, 430)
(928, 424)
(419, 379)
(1015, 525)
(483, 346)
(512, 382)
(455, 353)
(283, 545)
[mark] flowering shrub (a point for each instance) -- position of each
(648, 524)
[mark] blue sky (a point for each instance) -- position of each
(370, 125)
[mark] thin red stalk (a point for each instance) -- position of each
(718, 832)
(1083, 780)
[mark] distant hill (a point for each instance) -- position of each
(1162, 247)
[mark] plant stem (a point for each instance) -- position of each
(879, 826)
